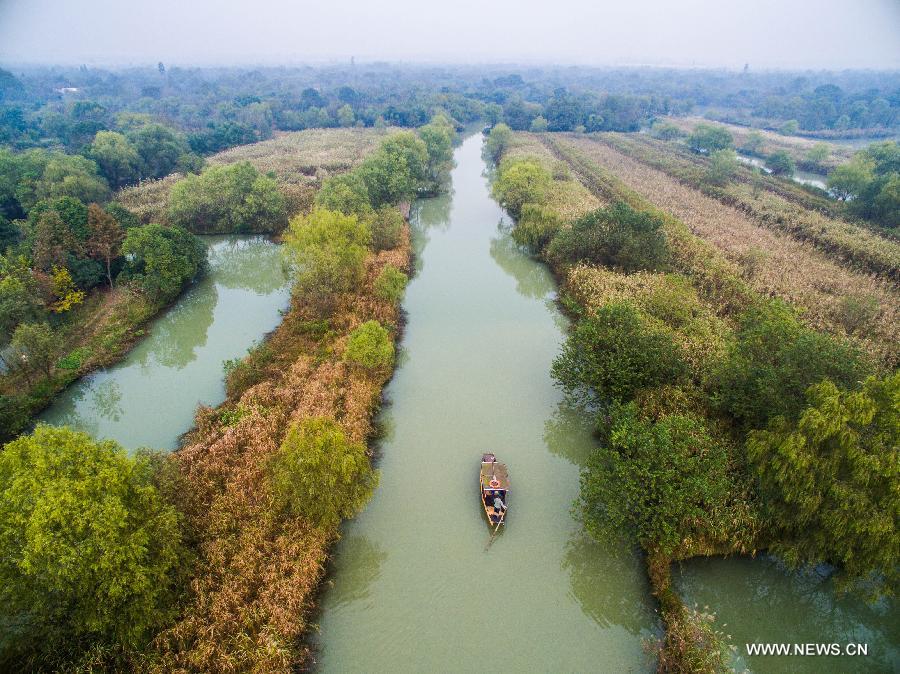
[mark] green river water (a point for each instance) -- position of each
(149, 398)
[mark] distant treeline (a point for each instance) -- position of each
(219, 108)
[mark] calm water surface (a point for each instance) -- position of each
(149, 398)
(414, 589)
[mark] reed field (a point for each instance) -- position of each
(774, 203)
(773, 264)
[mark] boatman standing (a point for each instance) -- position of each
(499, 505)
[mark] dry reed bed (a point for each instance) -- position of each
(249, 605)
(795, 146)
(852, 244)
(300, 160)
(769, 263)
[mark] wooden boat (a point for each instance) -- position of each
(493, 483)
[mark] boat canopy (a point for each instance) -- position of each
(494, 476)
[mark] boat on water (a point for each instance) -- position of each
(493, 485)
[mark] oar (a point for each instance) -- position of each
(494, 532)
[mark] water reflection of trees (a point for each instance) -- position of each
(532, 279)
(359, 561)
(775, 604)
(569, 433)
(428, 214)
(594, 570)
(182, 330)
(106, 400)
(249, 264)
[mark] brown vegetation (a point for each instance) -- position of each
(258, 569)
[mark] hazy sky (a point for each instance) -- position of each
(766, 33)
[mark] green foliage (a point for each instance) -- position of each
(614, 352)
(117, 158)
(772, 362)
(723, 164)
(88, 548)
(871, 181)
(753, 143)
(780, 163)
(438, 137)
(390, 284)
(320, 474)
(665, 131)
(829, 480)
(661, 483)
(790, 128)
(617, 236)
(536, 226)
(498, 141)
(707, 138)
(162, 260)
(327, 251)
(538, 124)
(397, 171)
(227, 199)
(160, 149)
(70, 176)
(818, 153)
(346, 193)
(18, 296)
(370, 346)
(34, 347)
(387, 228)
(520, 182)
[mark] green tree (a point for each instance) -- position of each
(345, 116)
(53, 242)
(438, 138)
(19, 300)
(614, 352)
(119, 162)
(829, 480)
(665, 130)
(387, 228)
(780, 163)
(818, 153)
(162, 260)
(89, 549)
(227, 199)
(498, 141)
(370, 346)
(35, 347)
(772, 362)
(664, 484)
(723, 164)
(617, 236)
(753, 143)
(848, 181)
(536, 226)
(790, 128)
(327, 252)
(159, 147)
(70, 176)
(390, 284)
(320, 474)
(520, 182)
(538, 124)
(397, 170)
(707, 138)
(346, 193)
(105, 239)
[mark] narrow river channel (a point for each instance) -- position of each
(414, 589)
(149, 399)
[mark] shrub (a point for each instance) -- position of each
(346, 193)
(614, 352)
(772, 362)
(780, 163)
(227, 199)
(321, 475)
(660, 483)
(536, 226)
(618, 236)
(162, 260)
(370, 346)
(665, 131)
(387, 228)
(498, 141)
(88, 548)
(520, 182)
(707, 138)
(829, 480)
(723, 165)
(390, 284)
(327, 251)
